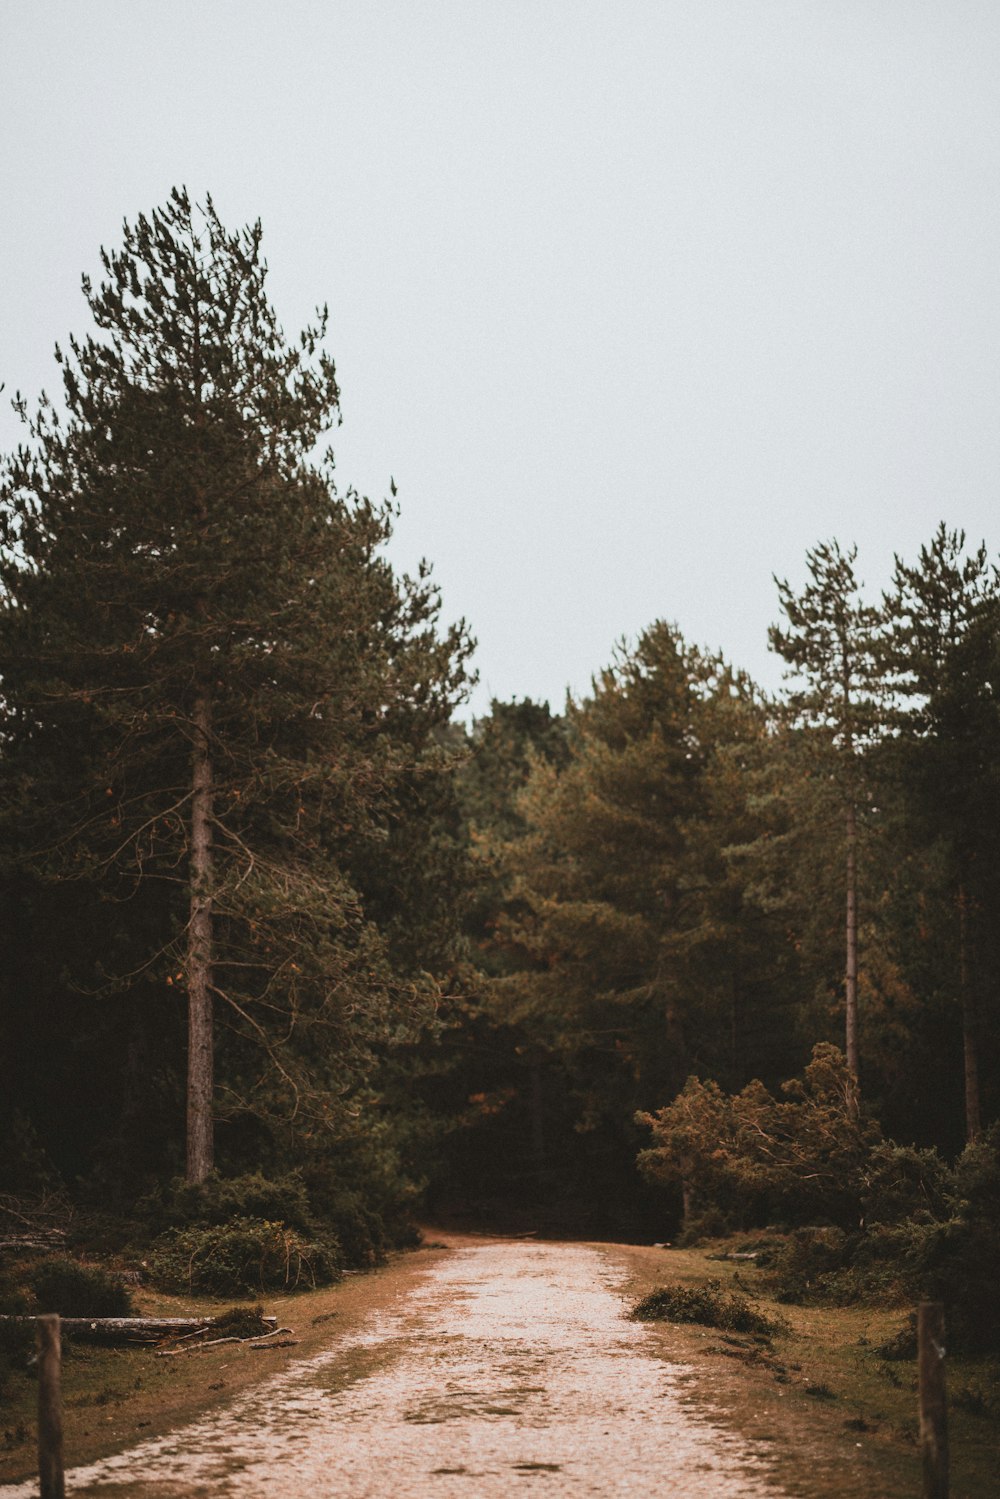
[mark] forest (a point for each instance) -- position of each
(292, 951)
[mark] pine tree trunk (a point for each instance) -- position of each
(851, 975)
(970, 1047)
(199, 952)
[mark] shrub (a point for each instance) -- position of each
(242, 1258)
(960, 1264)
(900, 1182)
(798, 1271)
(901, 1223)
(710, 1305)
(219, 1200)
(76, 1290)
(707, 1223)
(365, 1198)
(755, 1158)
(17, 1339)
(317, 1212)
(13, 1282)
(241, 1322)
(359, 1230)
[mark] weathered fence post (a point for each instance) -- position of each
(50, 1438)
(933, 1404)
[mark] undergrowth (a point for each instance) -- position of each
(242, 1257)
(241, 1322)
(72, 1289)
(710, 1305)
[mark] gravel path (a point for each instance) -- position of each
(510, 1368)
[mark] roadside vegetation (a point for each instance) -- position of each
(829, 1391)
(117, 1396)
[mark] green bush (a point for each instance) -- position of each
(799, 1270)
(318, 1212)
(220, 1199)
(756, 1159)
(241, 1322)
(707, 1223)
(75, 1290)
(242, 1258)
(364, 1197)
(960, 1264)
(359, 1230)
(709, 1305)
(899, 1182)
(14, 1302)
(897, 1223)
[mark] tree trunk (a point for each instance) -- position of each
(199, 951)
(851, 975)
(970, 1046)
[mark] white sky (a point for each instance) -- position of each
(636, 301)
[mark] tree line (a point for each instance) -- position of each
(700, 879)
(270, 906)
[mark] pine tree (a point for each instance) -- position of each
(831, 645)
(940, 652)
(625, 922)
(213, 684)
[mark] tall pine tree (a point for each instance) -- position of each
(830, 642)
(626, 932)
(941, 652)
(214, 686)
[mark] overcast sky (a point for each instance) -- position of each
(636, 301)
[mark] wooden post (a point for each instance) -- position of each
(933, 1404)
(50, 1438)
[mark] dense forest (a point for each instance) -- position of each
(285, 939)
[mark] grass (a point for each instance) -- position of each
(837, 1418)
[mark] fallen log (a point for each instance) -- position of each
(43, 1239)
(114, 1330)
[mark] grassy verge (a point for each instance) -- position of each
(115, 1397)
(837, 1420)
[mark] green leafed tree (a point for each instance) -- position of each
(830, 641)
(942, 655)
(628, 950)
(216, 692)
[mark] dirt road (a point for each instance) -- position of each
(510, 1367)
